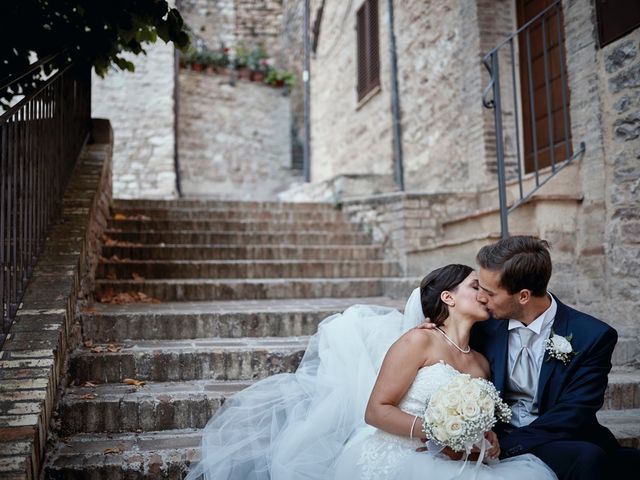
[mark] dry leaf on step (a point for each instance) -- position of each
(88, 384)
(137, 277)
(89, 396)
(133, 381)
(119, 216)
(113, 348)
(116, 450)
(88, 343)
(97, 349)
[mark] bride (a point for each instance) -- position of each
(352, 408)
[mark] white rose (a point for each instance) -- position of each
(487, 404)
(454, 427)
(441, 434)
(561, 344)
(470, 410)
(452, 399)
(471, 392)
(457, 383)
(437, 413)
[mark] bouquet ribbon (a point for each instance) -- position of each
(435, 448)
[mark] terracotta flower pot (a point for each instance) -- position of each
(244, 73)
(196, 67)
(257, 76)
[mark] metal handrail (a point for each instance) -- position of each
(492, 98)
(40, 139)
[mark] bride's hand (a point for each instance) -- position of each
(493, 451)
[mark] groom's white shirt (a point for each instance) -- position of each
(541, 326)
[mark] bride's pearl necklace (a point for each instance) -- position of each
(465, 350)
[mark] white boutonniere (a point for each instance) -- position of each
(559, 347)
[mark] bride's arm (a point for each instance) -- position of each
(399, 368)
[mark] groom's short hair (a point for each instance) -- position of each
(523, 261)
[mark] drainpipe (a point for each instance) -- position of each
(395, 103)
(306, 150)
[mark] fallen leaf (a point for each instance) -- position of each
(134, 382)
(119, 216)
(88, 384)
(111, 276)
(137, 277)
(90, 310)
(89, 396)
(97, 349)
(88, 343)
(113, 349)
(115, 450)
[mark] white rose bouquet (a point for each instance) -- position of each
(461, 411)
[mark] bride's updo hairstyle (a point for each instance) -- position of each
(444, 278)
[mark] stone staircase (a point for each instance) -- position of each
(240, 285)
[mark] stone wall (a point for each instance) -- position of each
(235, 22)
(444, 127)
(234, 141)
(347, 138)
(140, 107)
(620, 85)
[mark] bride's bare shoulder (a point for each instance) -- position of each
(416, 338)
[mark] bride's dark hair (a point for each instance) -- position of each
(436, 282)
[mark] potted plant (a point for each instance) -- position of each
(257, 62)
(240, 62)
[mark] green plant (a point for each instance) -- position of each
(241, 57)
(279, 78)
(257, 59)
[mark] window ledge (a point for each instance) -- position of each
(374, 91)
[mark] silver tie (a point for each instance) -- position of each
(523, 375)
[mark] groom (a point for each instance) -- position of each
(554, 388)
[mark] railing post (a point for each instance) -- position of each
(497, 112)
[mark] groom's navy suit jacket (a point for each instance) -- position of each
(568, 395)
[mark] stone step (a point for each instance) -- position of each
(153, 455)
(229, 214)
(171, 405)
(239, 238)
(233, 289)
(246, 269)
(204, 359)
(624, 424)
(233, 226)
(231, 319)
(119, 408)
(168, 454)
(213, 204)
(236, 252)
(623, 391)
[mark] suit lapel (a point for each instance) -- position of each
(560, 327)
(501, 354)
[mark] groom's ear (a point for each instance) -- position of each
(524, 296)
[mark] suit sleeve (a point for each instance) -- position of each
(576, 405)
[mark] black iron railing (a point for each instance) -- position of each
(44, 123)
(529, 95)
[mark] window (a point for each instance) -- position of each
(616, 19)
(368, 48)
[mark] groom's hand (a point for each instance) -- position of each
(426, 324)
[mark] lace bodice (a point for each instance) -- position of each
(427, 381)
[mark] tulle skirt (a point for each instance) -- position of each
(309, 425)
(294, 426)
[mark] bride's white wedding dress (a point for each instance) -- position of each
(310, 424)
